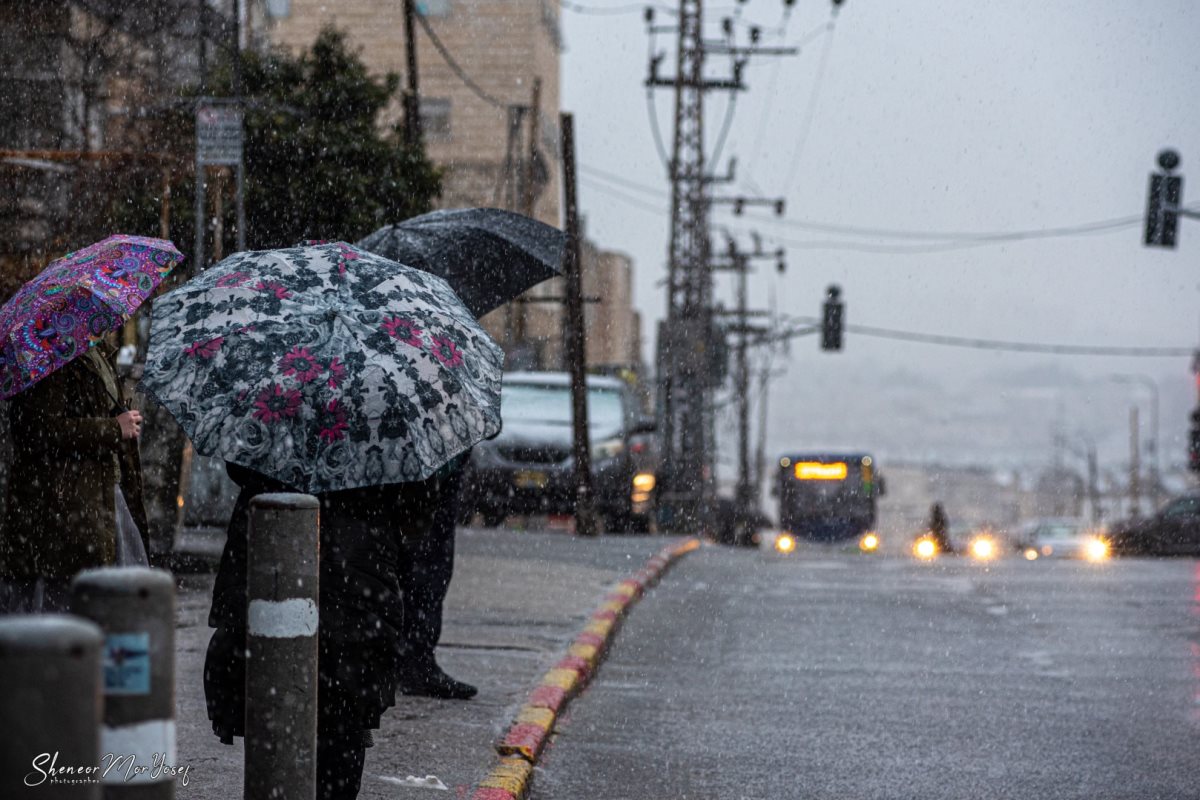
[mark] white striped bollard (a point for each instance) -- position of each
(281, 644)
(50, 708)
(135, 607)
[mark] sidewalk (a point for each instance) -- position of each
(517, 599)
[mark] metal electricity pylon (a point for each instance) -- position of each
(690, 347)
(747, 334)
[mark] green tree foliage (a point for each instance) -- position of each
(319, 163)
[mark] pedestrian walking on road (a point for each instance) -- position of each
(939, 527)
(361, 618)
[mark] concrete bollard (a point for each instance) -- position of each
(281, 645)
(50, 708)
(135, 607)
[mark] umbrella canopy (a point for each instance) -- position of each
(73, 302)
(488, 256)
(324, 366)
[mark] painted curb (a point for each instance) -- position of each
(526, 738)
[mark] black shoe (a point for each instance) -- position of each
(432, 682)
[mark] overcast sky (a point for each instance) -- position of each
(926, 116)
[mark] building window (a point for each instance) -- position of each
(433, 8)
(435, 118)
(279, 9)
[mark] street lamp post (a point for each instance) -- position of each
(1152, 445)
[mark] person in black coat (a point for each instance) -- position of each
(361, 618)
(425, 571)
(939, 528)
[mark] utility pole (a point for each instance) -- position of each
(1135, 466)
(1093, 470)
(535, 123)
(412, 96)
(585, 520)
(688, 342)
(517, 311)
(738, 261)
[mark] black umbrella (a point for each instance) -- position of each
(487, 255)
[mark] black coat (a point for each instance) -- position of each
(360, 611)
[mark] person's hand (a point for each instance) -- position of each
(131, 424)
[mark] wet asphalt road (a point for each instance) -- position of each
(840, 676)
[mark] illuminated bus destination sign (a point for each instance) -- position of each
(817, 471)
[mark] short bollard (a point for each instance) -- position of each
(50, 707)
(135, 607)
(281, 645)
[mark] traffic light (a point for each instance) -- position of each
(1166, 192)
(1194, 443)
(831, 319)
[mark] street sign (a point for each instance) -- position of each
(218, 135)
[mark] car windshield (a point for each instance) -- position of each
(1184, 507)
(1059, 531)
(551, 406)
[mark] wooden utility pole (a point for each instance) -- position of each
(412, 97)
(535, 122)
(528, 201)
(585, 520)
(1135, 466)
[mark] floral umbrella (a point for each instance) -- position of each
(73, 302)
(324, 366)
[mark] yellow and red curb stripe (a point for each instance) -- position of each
(524, 741)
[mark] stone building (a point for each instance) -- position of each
(476, 91)
(478, 84)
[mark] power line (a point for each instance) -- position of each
(628, 8)
(1009, 346)
(652, 110)
(771, 102)
(458, 70)
(811, 110)
(623, 181)
(957, 236)
(948, 246)
(730, 107)
(625, 198)
(939, 240)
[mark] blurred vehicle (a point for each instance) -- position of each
(530, 467)
(926, 547)
(827, 497)
(1061, 537)
(776, 544)
(984, 546)
(1173, 530)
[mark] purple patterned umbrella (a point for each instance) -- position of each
(73, 302)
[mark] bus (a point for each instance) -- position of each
(827, 496)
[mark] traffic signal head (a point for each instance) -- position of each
(831, 319)
(1194, 443)
(1162, 205)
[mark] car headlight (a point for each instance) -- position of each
(644, 482)
(609, 448)
(785, 543)
(925, 548)
(983, 548)
(1095, 549)
(869, 543)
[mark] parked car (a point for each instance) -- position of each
(1173, 530)
(529, 468)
